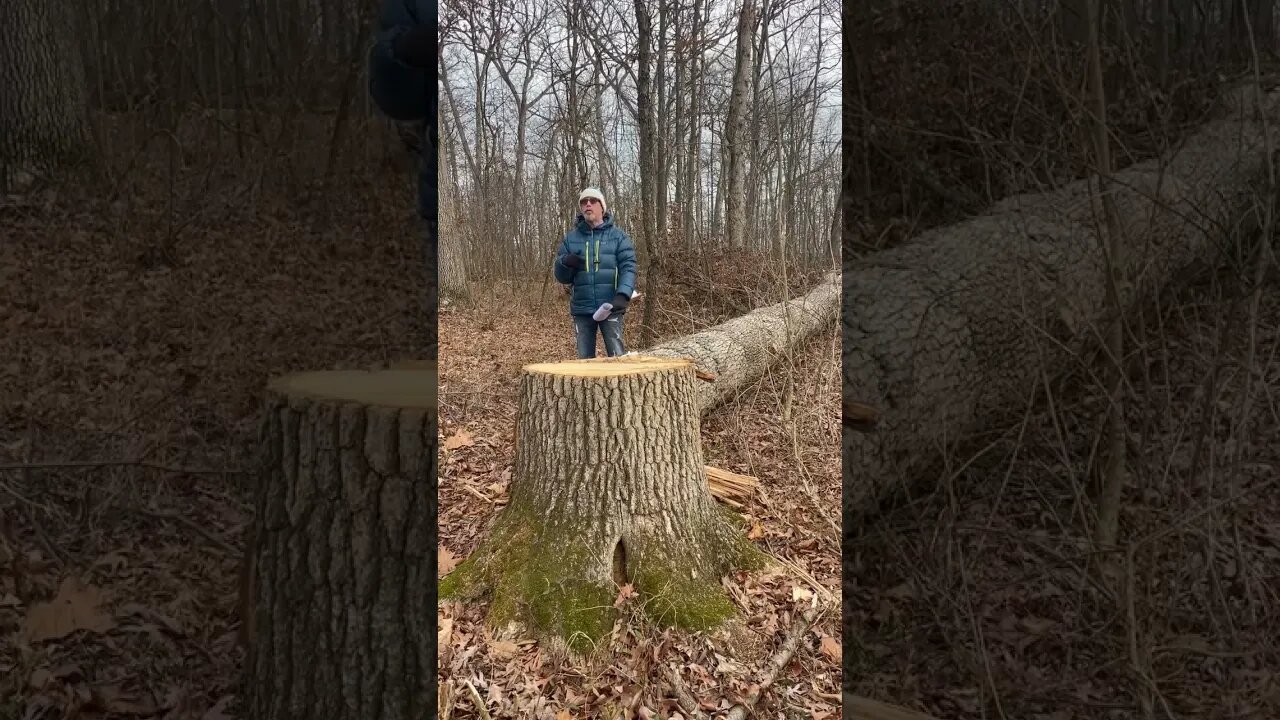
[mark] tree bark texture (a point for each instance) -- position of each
(454, 282)
(736, 131)
(739, 351)
(609, 489)
(342, 565)
(950, 332)
(43, 98)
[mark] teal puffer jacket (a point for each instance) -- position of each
(609, 264)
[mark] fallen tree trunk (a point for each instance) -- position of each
(949, 333)
(739, 351)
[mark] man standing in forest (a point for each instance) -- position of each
(598, 262)
(402, 81)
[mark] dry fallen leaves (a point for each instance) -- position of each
(830, 647)
(76, 607)
(445, 634)
(503, 649)
(445, 561)
(462, 438)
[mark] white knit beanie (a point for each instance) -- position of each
(594, 193)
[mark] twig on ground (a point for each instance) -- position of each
(478, 494)
(118, 463)
(446, 692)
(775, 665)
(809, 492)
(191, 525)
(687, 703)
(477, 701)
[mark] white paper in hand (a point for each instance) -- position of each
(602, 312)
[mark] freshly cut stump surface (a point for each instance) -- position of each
(609, 489)
(342, 566)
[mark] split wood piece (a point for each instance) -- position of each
(859, 416)
(608, 488)
(726, 485)
(862, 708)
(341, 567)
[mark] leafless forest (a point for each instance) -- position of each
(711, 128)
(1068, 509)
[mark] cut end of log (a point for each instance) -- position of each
(859, 416)
(377, 388)
(608, 367)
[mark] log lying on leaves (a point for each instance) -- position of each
(950, 332)
(862, 708)
(737, 352)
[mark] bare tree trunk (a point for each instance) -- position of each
(692, 188)
(660, 155)
(648, 166)
(735, 131)
(600, 500)
(1113, 480)
(1264, 27)
(342, 565)
(1162, 43)
(754, 222)
(44, 121)
(450, 251)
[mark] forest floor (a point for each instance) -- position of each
(794, 517)
(975, 599)
(131, 377)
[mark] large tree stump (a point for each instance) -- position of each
(609, 489)
(342, 571)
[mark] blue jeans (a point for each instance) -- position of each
(584, 329)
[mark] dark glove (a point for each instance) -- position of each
(573, 261)
(416, 47)
(619, 301)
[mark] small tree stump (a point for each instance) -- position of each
(609, 489)
(342, 566)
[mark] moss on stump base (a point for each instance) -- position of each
(609, 489)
